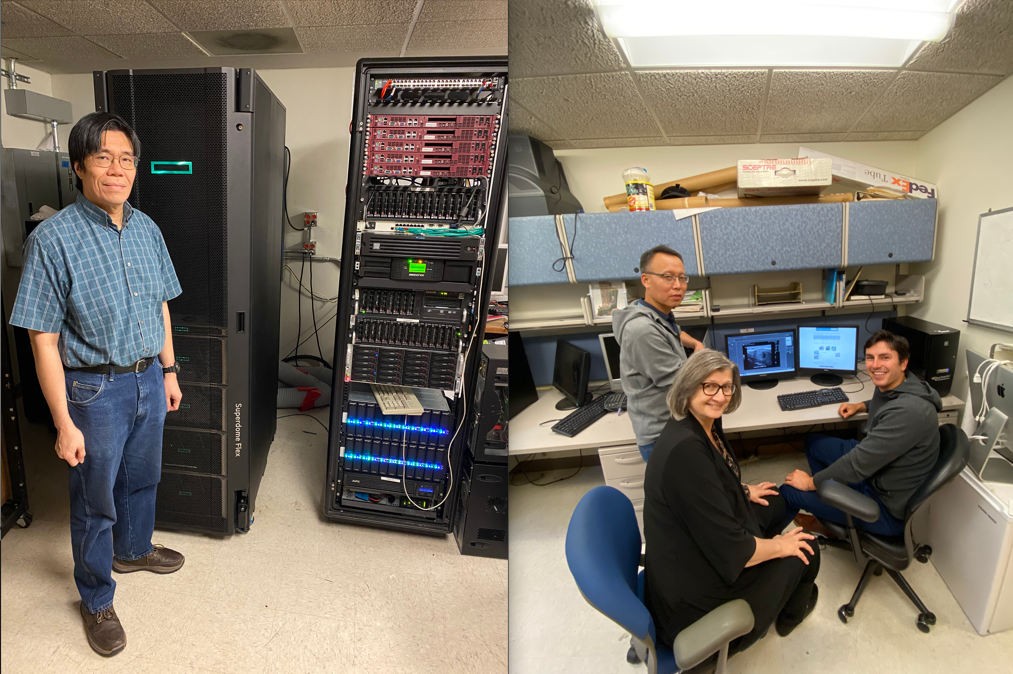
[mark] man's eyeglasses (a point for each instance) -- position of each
(669, 279)
(126, 162)
(712, 389)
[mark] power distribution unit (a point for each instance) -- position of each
(424, 200)
(211, 177)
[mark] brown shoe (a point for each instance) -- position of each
(161, 560)
(810, 524)
(105, 634)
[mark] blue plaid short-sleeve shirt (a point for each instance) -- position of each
(99, 287)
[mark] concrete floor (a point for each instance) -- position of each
(296, 594)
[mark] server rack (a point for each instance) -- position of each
(425, 190)
(211, 177)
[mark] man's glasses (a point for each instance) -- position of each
(669, 279)
(712, 389)
(126, 162)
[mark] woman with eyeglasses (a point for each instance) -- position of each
(711, 538)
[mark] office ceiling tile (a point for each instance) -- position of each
(920, 101)
(556, 38)
(801, 137)
(149, 46)
(374, 39)
(232, 15)
(885, 135)
(559, 144)
(981, 41)
(350, 12)
(21, 22)
(463, 10)
(7, 53)
(653, 141)
(698, 102)
(488, 35)
(523, 122)
(821, 100)
(59, 48)
(103, 17)
(711, 140)
(600, 105)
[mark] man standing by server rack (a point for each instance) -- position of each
(94, 297)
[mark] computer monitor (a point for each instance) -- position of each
(827, 351)
(570, 374)
(522, 384)
(763, 358)
(610, 349)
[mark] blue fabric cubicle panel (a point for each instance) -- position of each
(887, 232)
(609, 245)
(534, 246)
(771, 238)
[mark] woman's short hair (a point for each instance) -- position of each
(693, 372)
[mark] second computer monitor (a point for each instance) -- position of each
(763, 357)
(570, 374)
(827, 351)
(610, 350)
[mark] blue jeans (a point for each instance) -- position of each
(645, 451)
(821, 451)
(112, 492)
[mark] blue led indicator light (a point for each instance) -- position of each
(173, 167)
(383, 459)
(398, 427)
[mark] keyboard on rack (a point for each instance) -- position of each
(815, 398)
(581, 418)
(396, 400)
(615, 401)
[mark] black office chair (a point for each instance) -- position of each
(892, 553)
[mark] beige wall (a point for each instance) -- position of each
(25, 134)
(968, 156)
(318, 106)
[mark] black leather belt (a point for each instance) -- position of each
(139, 366)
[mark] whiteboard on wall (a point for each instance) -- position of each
(991, 300)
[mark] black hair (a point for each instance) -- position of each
(648, 257)
(86, 138)
(895, 342)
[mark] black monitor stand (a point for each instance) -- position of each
(565, 403)
(762, 384)
(826, 379)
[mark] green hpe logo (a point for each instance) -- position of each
(172, 167)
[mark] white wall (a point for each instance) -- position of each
(25, 134)
(968, 156)
(318, 104)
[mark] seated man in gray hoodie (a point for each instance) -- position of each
(897, 454)
(651, 345)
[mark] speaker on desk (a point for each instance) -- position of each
(211, 177)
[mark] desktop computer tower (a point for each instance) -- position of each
(487, 437)
(481, 525)
(933, 349)
(211, 177)
(425, 195)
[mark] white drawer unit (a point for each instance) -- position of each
(949, 417)
(632, 487)
(621, 461)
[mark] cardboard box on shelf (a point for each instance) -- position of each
(855, 175)
(783, 177)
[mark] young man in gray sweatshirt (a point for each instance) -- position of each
(651, 345)
(897, 454)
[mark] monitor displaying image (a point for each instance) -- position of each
(763, 357)
(827, 351)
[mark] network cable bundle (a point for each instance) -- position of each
(424, 199)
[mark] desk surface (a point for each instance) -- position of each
(759, 411)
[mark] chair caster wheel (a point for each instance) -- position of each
(632, 657)
(845, 612)
(922, 554)
(25, 521)
(878, 571)
(923, 623)
(930, 618)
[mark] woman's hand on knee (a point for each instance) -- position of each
(758, 491)
(794, 542)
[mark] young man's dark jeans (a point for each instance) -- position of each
(821, 451)
(112, 493)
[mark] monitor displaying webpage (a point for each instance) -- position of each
(827, 348)
(763, 354)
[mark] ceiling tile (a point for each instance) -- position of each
(462, 34)
(209, 15)
(885, 135)
(653, 141)
(559, 144)
(351, 12)
(697, 102)
(103, 17)
(149, 46)
(385, 38)
(920, 101)
(711, 140)
(600, 105)
(523, 122)
(58, 48)
(470, 10)
(558, 37)
(801, 137)
(821, 100)
(981, 41)
(21, 22)
(10, 53)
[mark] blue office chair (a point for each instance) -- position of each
(603, 553)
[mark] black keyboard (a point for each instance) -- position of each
(815, 398)
(615, 401)
(581, 418)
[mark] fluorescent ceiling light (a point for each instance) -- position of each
(854, 33)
